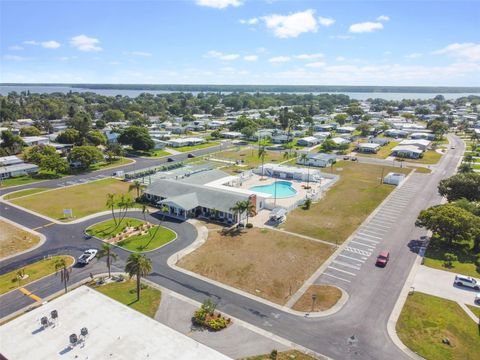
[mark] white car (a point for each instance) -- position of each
(87, 256)
(477, 299)
(467, 281)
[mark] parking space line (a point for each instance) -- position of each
(352, 258)
(378, 225)
(341, 263)
(387, 216)
(376, 231)
(369, 235)
(359, 243)
(365, 239)
(358, 251)
(336, 277)
(343, 271)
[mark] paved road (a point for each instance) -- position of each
(373, 292)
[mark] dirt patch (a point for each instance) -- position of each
(14, 240)
(266, 263)
(326, 297)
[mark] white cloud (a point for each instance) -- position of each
(51, 44)
(324, 21)
(413, 56)
(14, 57)
(341, 37)
(292, 25)
(466, 51)
(308, 56)
(219, 4)
(250, 58)
(66, 58)
(221, 56)
(365, 27)
(252, 21)
(279, 59)
(31, 42)
(85, 43)
(340, 58)
(316, 64)
(383, 18)
(15, 48)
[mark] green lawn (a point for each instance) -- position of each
(284, 355)
(426, 320)
(383, 152)
(34, 271)
(434, 257)
(346, 205)
(106, 165)
(196, 147)
(152, 154)
(247, 159)
(125, 293)
(17, 181)
(422, 170)
(429, 157)
(84, 199)
(475, 310)
(107, 229)
(23, 193)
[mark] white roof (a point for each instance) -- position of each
(115, 332)
(369, 145)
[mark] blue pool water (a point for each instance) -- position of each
(284, 189)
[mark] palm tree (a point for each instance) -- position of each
(111, 203)
(164, 210)
(248, 207)
(289, 146)
(304, 159)
(125, 203)
(106, 251)
(239, 209)
(61, 267)
(138, 265)
(136, 185)
(262, 152)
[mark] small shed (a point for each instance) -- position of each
(394, 178)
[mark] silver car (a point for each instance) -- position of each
(467, 281)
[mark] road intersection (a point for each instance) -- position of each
(357, 331)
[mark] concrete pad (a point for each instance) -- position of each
(115, 331)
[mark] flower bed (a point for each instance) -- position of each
(206, 316)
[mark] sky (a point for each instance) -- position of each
(336, 42)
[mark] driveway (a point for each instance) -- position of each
(440, 283)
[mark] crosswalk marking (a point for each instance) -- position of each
(366, 245)
(343, 271)
(368, 235)
(357, 251)
(346, 264)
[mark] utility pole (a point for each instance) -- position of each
(314, 298)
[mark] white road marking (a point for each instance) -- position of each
(372, 236)
(365, 239)
(352, 258)
(336, 277)
(341, 263)
(343, 271)
(359, 243)
(357, 251)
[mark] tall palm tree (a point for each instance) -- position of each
(164, 210)
(238, 209)
(62, 269)
(125, 203)
(106, 251)
(248, 207)
(111, 203)
(138, 265)
(262, 152)
(137, 186)
(304, 159)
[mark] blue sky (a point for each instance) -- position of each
(241, 42)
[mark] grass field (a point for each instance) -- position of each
(106, 165)
(435, 257)
(14, 240)
(35, 271)
(84, 199)
(17, 181)
(152, 154)
(266, 263)
(284, 355)
(429, 157)
(125, 293)
(422, 170)
(139, 243)
(426, 320)
(475, 310)
(326, 297)
(346, 205)
(25, 192)
(196, 147)
(383, 152)
(248, 159)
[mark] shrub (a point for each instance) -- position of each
(273, 354)
(249, 225)
(449, 259)
(307, 204)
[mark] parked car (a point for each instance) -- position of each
(382, 259)
(190, 156)
(346, 157)
(169, 159)
(477, 299)
(87, 256)
(467, 281)
(354, 158)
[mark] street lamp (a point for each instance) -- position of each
(314, 298)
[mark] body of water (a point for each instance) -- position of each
(280, 189)
(4, 90)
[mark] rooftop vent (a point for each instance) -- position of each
(44, 321)
(54, 314)
(73, 339)
(84, 331)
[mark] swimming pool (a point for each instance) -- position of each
(284, 189)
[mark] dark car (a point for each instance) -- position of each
(382, 259)
(190, 155)
(354, 158)
(170, 160)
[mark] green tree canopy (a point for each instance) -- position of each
(29, 131)
(465, 185)
(84, 156)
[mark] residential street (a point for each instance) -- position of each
(357, 331)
